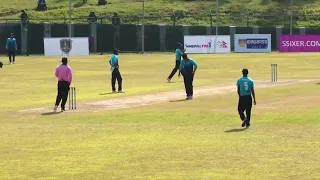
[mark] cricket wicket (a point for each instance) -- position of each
(72, 98)
(274, 72)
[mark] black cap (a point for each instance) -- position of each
(115, 51)
(245, 71)
(64, 60)
(184, 55)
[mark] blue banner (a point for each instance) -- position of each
(257, 43)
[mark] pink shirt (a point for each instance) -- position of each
(64, 73)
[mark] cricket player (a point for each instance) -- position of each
(245, 88)
(116, 76)
(64, 76)
(11, 47)
(179, 51)
(188, 68)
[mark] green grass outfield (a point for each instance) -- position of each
(198, 139)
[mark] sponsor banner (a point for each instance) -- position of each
(64, 45)
(299, 43)
(207, 44)
(253, 43)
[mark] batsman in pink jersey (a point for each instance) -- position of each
(64, 76)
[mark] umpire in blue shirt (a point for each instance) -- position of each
(245, 88)
(11, 47)
(188, 68)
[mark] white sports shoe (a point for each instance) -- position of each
(55, 108)
(169, 80)
(120, 91)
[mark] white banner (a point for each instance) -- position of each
(207, 44)
(79, 46)
(252, 43)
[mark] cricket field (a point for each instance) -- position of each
(149, 132)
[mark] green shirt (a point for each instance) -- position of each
(178, 54)
(245, 84)
(188, 66)
(114, 60)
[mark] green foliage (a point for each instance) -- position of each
(177, 15)
(238, 13)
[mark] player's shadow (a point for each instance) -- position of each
(317, 83)
(235, 130)
(178, 100)
(177, 81)
(50, 113)
(102, 94)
